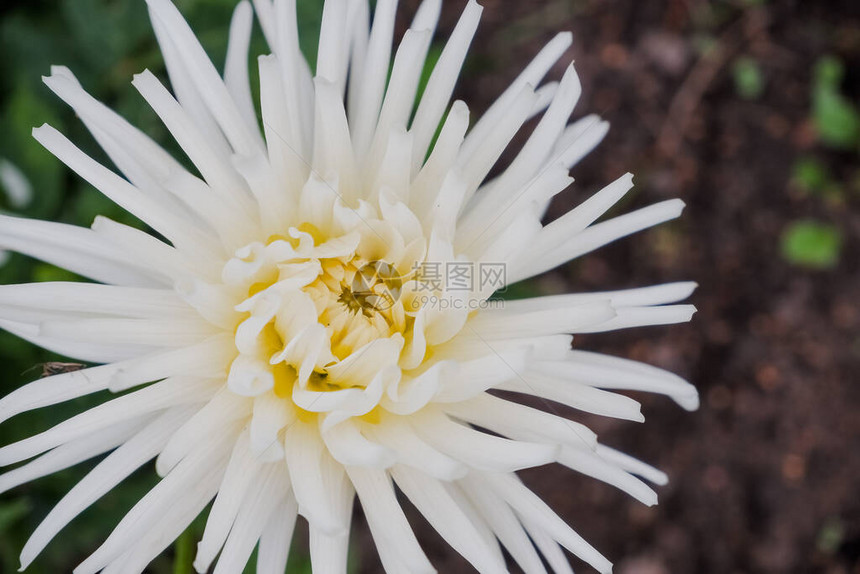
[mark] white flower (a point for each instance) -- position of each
(284, 344)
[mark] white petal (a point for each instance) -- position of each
(449, 520)
(402, 87)
(207, 359)
(57, 389)
(329, 549)
(271, 415)
(593, 464)
(521, 422)
(290, 167)
(275, 541)
(599, 235)
(296, 78)
(490, 202)
(350, 447)
(334, 44)
(425, 198)
(633, 465)
(213, 302)
(74, 248)
(151, 253)
(242, 137)
(532, 509)
(493, 324)
(145, 332)
(142, 160)
(614, 373)
(628, 317)
(70, 297)
(275, 206)
(207, 157)
(364, 364)
(236, 66)
(240, 471)
(579, 139)
(578, 219)
(477, 449)
(582, 397)
(314, 490)
(133, 453)
(186, 237)
(476, 165)
(531, 76)
(180, 496)
(328, 552)
(223, 408)
(505, 525)
(396, 434)
(19, 190)
(264, 495)
(183, 85)
(168, 393)
(656, 295)
(82, 351)
(71, 453)
(472, 377)
(549, 548)
(333, 152)
(436, 96)
(371, 85)
(387, 522)
(538, 192)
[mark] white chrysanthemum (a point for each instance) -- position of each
(283, 343)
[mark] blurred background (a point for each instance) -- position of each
(749, 110)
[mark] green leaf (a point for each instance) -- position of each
(309, 15)
(92, 30)
(12, 511)
(45, 272)
(748, 77)
(830, 536)
(433, 55)
(184, 548)
(836, 119)
(810, 175)
(812, 244)
(23, 111)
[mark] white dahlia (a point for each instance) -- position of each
(312, 321)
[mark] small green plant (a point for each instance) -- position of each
(810, 175)
(748, 78)
(812, 244)
(830, 536)
(836, 118)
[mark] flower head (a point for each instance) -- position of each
(313, 321)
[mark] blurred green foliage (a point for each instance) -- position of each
(104, 42)
(812, 244)
(837, 120)
(748, 78)
(830, 536)
(814, 178)
(810, 175)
